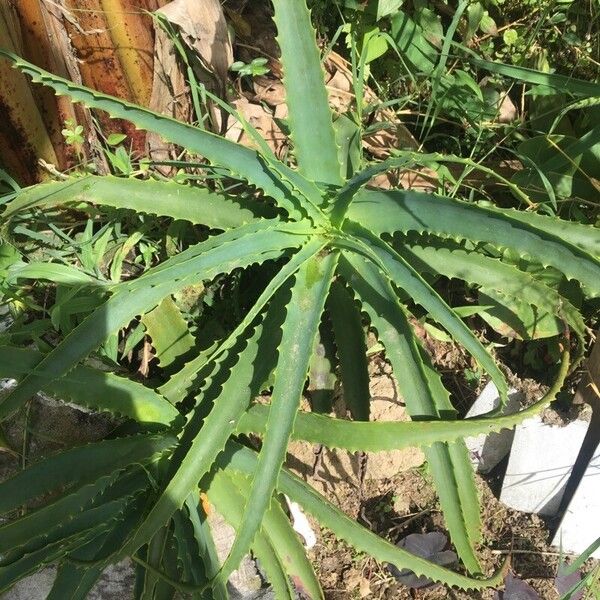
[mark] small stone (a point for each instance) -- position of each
(487, 451)
(579, 526)
(541, 461)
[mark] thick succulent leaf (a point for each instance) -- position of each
(286, 557)
(420, 388)
(385, 436)
(244, 460)
(95, 389)
(322, 376)
(27, 530)
(79, 466)
(30, 563)
(169, 332)
(306, 96)
(492, 275)
(351, 350)
(299, 332)
(235, 380)
(291, 552)
(207, 551)
(73, 582)
(406, 277)
(546, 242)
(223, 253)
(183, 381)
(160, 198)
(239, 160)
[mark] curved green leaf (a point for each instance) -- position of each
(95, 389)
(239, 160)
(160, 198)
(388, 212)
(79, 466)
(404, 275)
(424, 395)
(492, 275)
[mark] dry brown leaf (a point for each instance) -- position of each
(262, 120)
(204, 30)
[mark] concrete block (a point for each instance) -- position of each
(487, 451)
(580, 526)
(540, 463)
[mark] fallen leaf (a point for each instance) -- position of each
(429, 546)
(203, 29)
(516, 589)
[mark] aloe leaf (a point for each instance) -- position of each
(95, 389)
(299, 332)
(279, 552)
(160, 198)
(492, 275)
(181, 382)
(239, 160)
(205, 260)
(385, 436)
(533, 236)
(234, 382)
(154, 554)
(73, 582)
(291, 553)
(30, 563)
(169, 332)
(79, 466)
(322, 375)
(207, 551)
(244, 460)
(402, 274)
(227, 497)
(424, 396)
(306, 96)
(351, 350)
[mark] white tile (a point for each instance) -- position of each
(580, 526)
(540, 463)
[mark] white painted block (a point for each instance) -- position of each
(580, 526)
(541, 460)
(486, 451)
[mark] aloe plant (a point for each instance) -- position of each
(338, 255)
